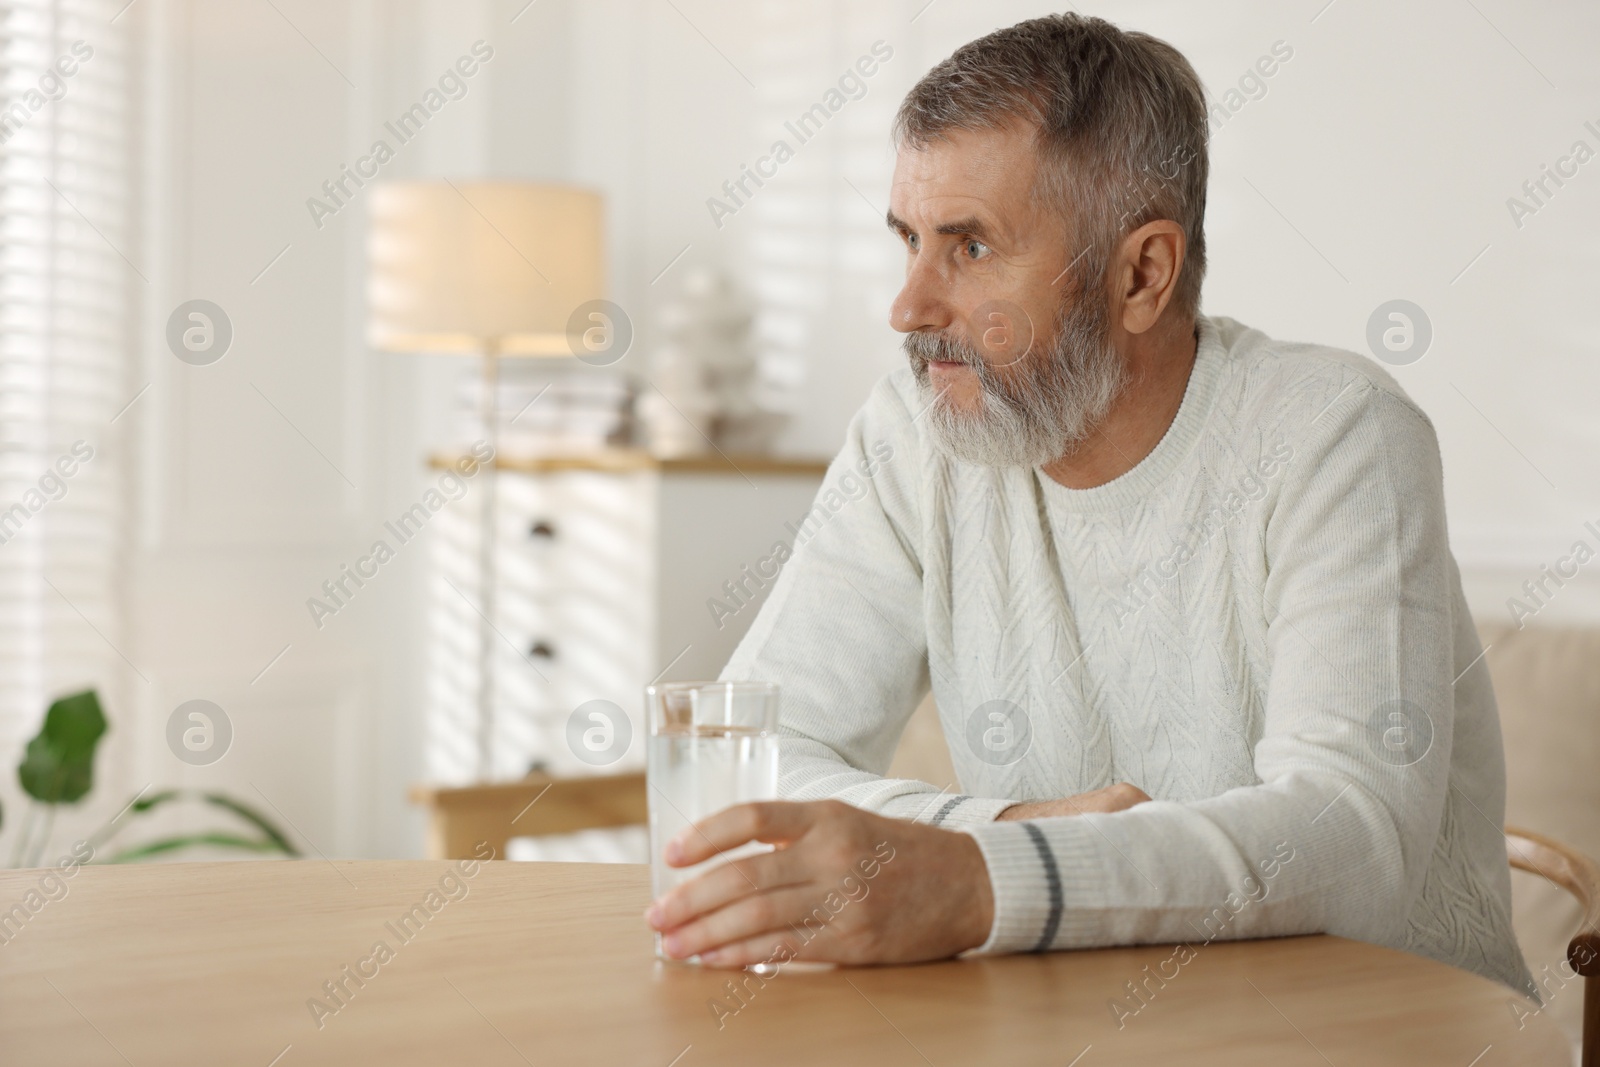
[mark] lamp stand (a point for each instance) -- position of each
(488, 408)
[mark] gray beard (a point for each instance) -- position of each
(1040, 408)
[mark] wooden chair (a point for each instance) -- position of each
(461, 819)
(1580, 876)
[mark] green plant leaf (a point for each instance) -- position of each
(75, 724)
(43, 774)
(138, 804)
(154, 800)
(273, 839)
(58, 765)
(255, 818)
(217, 838)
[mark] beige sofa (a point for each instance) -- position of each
(1547, 681)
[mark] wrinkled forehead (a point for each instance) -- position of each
(964, 172)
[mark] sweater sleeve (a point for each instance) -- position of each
(842, 632)
(1354, 754)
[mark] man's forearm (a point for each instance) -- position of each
(1251, 863)
(1117, 797)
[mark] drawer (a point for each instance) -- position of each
(558, 652)
(574, 645)
(577, 530)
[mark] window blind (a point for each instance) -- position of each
(67, 279)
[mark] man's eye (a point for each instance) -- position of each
(913, 241)
(976, 249)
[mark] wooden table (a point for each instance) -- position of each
(215, 963)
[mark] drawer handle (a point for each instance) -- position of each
(542, 528)
(542, 650)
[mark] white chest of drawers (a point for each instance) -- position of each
(605, 566)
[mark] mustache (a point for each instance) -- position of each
(940, 348)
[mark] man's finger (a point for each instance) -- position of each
(723, 884)
(772, 949)
(747, 917)
(771, 821)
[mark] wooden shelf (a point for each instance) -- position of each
(628, 460)
(461, 817)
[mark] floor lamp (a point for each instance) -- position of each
(488, 269)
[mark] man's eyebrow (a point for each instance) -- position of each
(970, 227)
(967, 227)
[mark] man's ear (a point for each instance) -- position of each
(1149, 262)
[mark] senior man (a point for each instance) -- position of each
(1183, 593)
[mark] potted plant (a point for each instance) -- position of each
(58, 768)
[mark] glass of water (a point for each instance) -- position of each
(712, 745)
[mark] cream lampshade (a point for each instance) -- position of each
(489, 269)
(469, 267)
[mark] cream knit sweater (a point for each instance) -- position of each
(1261, 626)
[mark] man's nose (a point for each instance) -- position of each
(923, 303)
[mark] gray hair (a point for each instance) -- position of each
(1121, 127)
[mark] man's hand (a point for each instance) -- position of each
(1117, 797)
(844, 886)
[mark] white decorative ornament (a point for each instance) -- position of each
(707, 373)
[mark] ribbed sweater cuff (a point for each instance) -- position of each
(949, 810)
(1026, 874)
(970, 811)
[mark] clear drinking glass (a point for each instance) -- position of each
(712, 745)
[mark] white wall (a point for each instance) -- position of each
(259, 475)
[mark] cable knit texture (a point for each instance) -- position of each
(1260, 625)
